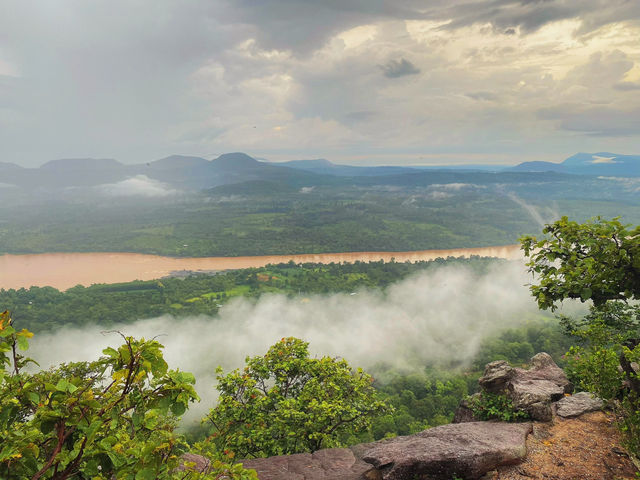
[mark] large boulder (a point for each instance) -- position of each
(497, 376)
(464, 412)
(577, 404)
(465, 450)
(328, 464)
(535, 397)
(544, 368)
(532, 390)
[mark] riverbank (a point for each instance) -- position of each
(65, 270)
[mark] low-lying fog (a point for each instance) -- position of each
(436, 316)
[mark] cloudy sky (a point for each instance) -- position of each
(354, 81)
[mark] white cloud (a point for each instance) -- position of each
(138, 186)
(597, 159)
(436, 316)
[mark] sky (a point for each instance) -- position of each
(437, 82)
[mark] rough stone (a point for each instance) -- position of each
(464, 413)
(496, 376)
(544, 368)
(526, 392)
(541, 411)
(532, 390)
(328, 464)
(577, 404)
(467, 450)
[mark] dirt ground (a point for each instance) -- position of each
(587, 447)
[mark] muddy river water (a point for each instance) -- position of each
(65, 270)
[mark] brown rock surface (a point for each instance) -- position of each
(466, 450)
(544, 368)
(496, 376)
(582, 448)
(328, 464)
(532, 390)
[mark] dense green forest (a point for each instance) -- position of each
(422, 398)
(46, 308)
(404, 212)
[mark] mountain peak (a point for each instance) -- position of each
(235, 159)
(315, 163)
(81, 164)
(177, 161)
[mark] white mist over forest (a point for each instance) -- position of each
(438, 316)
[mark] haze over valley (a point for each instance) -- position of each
(388, 239)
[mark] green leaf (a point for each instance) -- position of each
(146, 474)
(23, 343)
(62, 385)
(178, 409)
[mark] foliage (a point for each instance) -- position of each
(45, 308)
(495, 406)
(377, 213)
(285, 402)
(598, 260)
(112, 417)
(420, 400)
(518, 345)
(594, 366)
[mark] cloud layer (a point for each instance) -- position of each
(375, 82)
(439, 316)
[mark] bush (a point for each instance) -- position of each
(112, 418)
(491, 406)
(285, 402)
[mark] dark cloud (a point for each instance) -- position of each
(304, 25)
(486, 96)
(399, 68)
(161, 77)
(627, 86)
(360, 116)
(530, 15)
(595, 121)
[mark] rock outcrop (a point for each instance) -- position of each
(465, 450)
(331, 463)
(532, 391)
(577, 404)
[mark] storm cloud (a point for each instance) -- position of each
(285, 79)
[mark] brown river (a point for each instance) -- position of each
(65, 270)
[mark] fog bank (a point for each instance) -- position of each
(437, 316)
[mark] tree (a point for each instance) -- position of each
(112, 418)
(600, 261)
(285, 402)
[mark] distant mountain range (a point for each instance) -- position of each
(196, 173)
(602, 163)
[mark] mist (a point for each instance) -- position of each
(435, 317)
(138, 186)
(550, 215)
